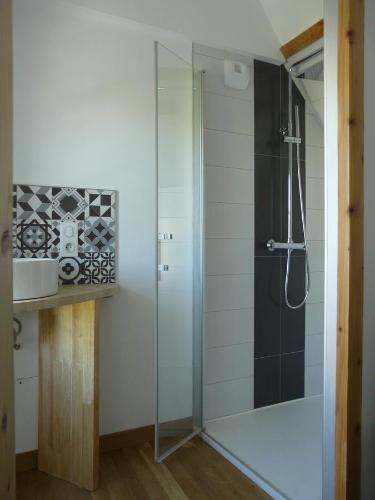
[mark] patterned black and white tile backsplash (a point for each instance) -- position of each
(38, 212)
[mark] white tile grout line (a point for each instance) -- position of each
(229, 131)
(236, 344)
(210, 384)
(230, 203)
(237, 98)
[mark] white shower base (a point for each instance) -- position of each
(281, 444)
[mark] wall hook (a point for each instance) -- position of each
(17, 329)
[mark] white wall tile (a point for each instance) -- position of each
(316, 255)
(213, 79)
(309, 108)
(314, 88)
(316, 288)
(229, 225)
(315, 91)
(315, 224)
(227, 398)
(229, 362)
(229, 292)
(314, 350)
(314, 319)
(228, 114)
(314, 132)
(229, 185)
(228, 150)
(314, 161)
(229, 256)
(314, 380)
(315, 193)
(229, 221)
(229, 327)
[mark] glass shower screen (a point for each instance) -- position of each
(179, 283)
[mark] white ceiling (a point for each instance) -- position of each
(290, 17)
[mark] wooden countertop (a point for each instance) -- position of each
(67, 294)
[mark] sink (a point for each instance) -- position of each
(34, 278)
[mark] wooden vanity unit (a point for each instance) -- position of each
(69, 381)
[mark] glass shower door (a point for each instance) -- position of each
(179, 289)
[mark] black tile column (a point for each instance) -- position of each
(279, 331)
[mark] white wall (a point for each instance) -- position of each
(289, 18)
(85, 116)
(230, 24)
(229, 195)
(368, 396)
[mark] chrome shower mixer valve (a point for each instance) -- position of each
(273, 245)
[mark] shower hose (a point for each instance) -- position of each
(288, 265)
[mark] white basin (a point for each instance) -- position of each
(34, 278)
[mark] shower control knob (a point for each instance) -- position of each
(271, 245)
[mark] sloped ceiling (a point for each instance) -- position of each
(290, 17)
(240, 25)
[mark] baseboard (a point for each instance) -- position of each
(27, 461)
(126, 439)
(108, 442)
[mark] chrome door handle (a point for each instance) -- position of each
(163, 267)
(165, 236)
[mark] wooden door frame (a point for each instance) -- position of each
(7, 452)
(350, 249)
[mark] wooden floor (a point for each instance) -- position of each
(195, 471)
